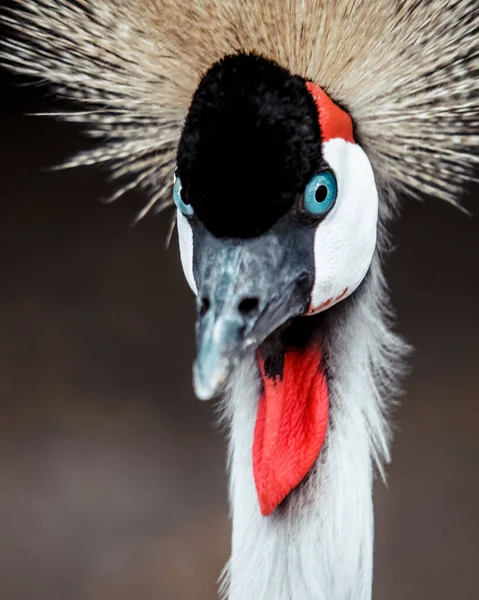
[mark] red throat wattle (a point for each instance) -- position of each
(290, 426)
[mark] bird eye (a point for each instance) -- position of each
(320, 194)
(178, 197)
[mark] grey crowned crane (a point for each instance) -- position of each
(284, 130)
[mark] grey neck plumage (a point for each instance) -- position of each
(319, 544)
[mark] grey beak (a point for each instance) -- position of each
(247, 289)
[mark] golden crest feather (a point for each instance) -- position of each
(406, 70)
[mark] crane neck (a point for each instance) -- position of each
(318, 544)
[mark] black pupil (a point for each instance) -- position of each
(321, 193)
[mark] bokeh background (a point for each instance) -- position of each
(112, 483)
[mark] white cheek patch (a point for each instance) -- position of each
(345, 241)
(185, 237)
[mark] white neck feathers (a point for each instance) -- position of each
(319, 545)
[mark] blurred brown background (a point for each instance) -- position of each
(112, 482)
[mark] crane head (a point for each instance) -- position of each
(277, 218)
(277, 208)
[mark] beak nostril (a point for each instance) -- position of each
(205, 306)
(248, 306)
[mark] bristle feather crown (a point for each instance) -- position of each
(406, 71)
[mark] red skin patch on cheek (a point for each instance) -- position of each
(328, 302)
(333, 120)
(325, 304)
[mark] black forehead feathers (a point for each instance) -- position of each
(250, 144)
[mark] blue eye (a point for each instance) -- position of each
(320, 194)
(186, 209)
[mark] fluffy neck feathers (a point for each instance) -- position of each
(319, 544)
